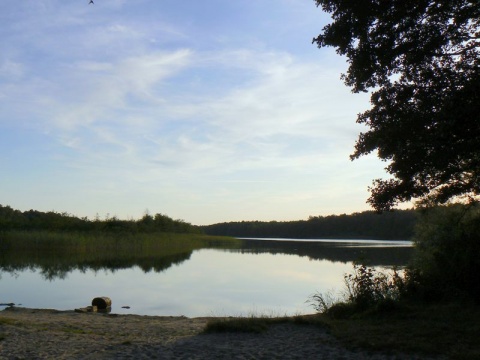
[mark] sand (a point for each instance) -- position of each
(51, 334)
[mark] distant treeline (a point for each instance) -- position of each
(396, 225)
(11, 219)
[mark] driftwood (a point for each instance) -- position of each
(99, 304)
(102, 303)
(86, 309)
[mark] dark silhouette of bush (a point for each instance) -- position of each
(447, 258)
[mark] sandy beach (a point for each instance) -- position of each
(51, 334)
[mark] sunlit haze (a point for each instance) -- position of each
(207, 111)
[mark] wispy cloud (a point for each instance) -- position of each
(280, 113)
(143, 103)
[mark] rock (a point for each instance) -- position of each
(87, 309)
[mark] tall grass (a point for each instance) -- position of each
(57, 253)
(365, 289)
(104, 242)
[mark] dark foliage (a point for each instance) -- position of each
(447, 258)
(444, 269)
(397, 225)
(11, 219)
(421, 58)
(366, 291)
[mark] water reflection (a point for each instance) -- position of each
(371, 252)
(52, 267)
(57, 262)
(253, 276)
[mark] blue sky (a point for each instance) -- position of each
(207, 111)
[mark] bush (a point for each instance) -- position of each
(447, 256)
(365, 289)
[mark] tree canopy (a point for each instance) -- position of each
(420, 60)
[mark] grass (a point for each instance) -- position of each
(255, 323)
(250, 324)
(451, 330)
(102, 242)
(377, 312)
(437, 329)
(57, 253)
(76, 330)
(7, 321)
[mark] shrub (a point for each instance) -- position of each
(447, 256)
(366, 286)
(365, 289)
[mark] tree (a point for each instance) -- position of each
(420, 59)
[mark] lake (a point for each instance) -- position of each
(259, 276)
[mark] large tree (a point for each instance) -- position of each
(420, 60)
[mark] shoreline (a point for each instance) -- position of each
(49, 333)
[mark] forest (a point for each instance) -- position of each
(396, 225)
(11, 219)
(392, 225)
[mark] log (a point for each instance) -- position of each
(102, 303)
(86, 309)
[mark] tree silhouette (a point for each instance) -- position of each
(420, 59)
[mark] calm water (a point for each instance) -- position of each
(272, 277)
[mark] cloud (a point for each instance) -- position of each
(147, 110)
(108, 92)
(158, 110)
(223, 111)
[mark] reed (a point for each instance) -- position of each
(81, 242)
(57, 253)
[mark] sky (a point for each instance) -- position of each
(207, 111)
